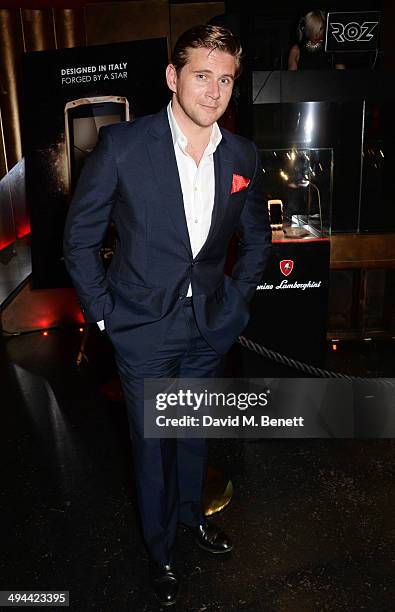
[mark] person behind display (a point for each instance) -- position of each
(309, 52)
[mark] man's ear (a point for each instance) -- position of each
(171, 78)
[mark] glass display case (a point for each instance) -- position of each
(298, 186)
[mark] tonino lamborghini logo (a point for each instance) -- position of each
(286, 266)
(353, 31)
(284, 284)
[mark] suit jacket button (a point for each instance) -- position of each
(181, 296)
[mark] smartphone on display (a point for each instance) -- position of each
(275, 214)
(83, 119)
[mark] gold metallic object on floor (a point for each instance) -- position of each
(218, 492)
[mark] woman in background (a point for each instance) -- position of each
(309, 52)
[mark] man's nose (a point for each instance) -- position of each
(213, 91)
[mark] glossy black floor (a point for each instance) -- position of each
(311, 519)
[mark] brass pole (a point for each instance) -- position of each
(9, 49)
(69, 28)
(38, 29)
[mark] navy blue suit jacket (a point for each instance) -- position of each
(132, 177)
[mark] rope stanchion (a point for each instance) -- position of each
(301, 366)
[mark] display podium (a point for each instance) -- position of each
(289, 309)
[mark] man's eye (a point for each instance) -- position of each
(225, 81)
(201, 77)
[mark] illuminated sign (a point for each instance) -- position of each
(352, 31)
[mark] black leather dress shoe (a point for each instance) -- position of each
(164, 583)
(211, 538)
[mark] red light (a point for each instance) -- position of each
(23, 230)
(45, 333)
(81, 329)
(6, 243)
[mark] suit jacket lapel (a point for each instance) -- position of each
(223, 184)
(164, 164)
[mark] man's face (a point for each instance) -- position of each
(203, 87)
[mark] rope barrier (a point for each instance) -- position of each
(304, 367)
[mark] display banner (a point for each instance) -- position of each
(269, 408)
(290, 306)
(68, 95)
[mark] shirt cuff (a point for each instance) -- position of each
(101, 325)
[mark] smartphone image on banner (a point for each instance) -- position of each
(83, 119)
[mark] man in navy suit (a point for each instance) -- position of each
(177, 188)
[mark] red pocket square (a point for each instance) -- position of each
(239, 182)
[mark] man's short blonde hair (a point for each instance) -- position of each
(207, 37)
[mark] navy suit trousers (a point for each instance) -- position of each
(170, 473)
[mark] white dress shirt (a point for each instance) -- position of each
(197, 185)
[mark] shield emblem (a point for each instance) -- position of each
(286, 266)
